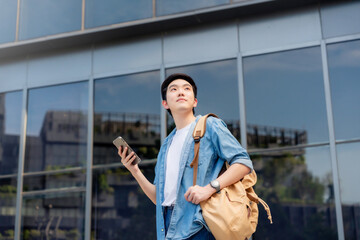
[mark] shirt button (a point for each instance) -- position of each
(162, 229)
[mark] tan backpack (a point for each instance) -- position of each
(233, 212)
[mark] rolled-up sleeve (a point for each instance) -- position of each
(226, 145)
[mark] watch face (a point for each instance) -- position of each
(215, 184)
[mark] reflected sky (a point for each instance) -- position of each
(286, 90)
(137, 93)
(217, 85)
(318, 162)
(349, 165)
(13, 104)
(106, 12)
(344, 72)
(46, 17)
(67, 97)
(8, 12)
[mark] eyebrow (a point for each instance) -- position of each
(175, 85)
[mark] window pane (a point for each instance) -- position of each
(285, 101)
(55, 180)
(127, 106)
(344, 72)
(57, 127)
(10, 123)
(340, 19)
(349, 165)
(7, 207)
(99, 13)
(120, 208)
(218, 91)
(297, 185)
(47, 17)
(53, 216)
(165, 7)
(8, 11)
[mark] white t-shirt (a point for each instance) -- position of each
(173, 165)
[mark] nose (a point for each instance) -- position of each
(181, 92)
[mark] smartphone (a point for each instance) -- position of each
(119, 141)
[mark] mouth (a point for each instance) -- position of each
(181, 99)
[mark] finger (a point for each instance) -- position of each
(128, 157)
(186, 195)
(123, 154)
(132, 159)
(119, 151)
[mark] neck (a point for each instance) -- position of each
(183, 119)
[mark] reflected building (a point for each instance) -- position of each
(270, 137)
(9, 143)
(141, 132)
(61, 143)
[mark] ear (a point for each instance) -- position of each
(195, 102)
(165, 105)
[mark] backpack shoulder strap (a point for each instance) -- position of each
(199, 131)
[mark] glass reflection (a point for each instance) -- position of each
(127, 106)
(10, 123)
(53, 216)
(7, 207)
(218, 91)
(120, 209)
(297, 185)
(55, 180)
(349, 165)
(285, 101)
(340, 19)
(8, 11)
(57, 127)
(99, 13)
(165, 7)
(344, 71)
(46, 17)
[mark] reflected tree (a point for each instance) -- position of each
(297, 198)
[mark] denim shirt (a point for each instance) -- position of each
(217, 145)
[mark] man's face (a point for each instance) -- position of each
(179, 97)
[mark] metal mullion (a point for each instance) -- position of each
(126, 72)
(163, 121)
(21, 160)
(65, 170)
(355, 140)
(143, 163)
(243, 130)
(250, 53)
(241, 89)
(17, 21)
(335, 173)
(56, 190)
(8, 176)
(89, 162)
(287, 148)
(351, 37)
(83, 15)
(200, 61)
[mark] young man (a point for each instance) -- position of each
(178, 213)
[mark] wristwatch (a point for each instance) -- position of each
(215, 184)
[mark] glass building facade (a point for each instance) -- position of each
(285, 81)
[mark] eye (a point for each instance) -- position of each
(172, 89)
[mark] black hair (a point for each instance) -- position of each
(174, 77)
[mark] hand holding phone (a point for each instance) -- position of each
(120, 142)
